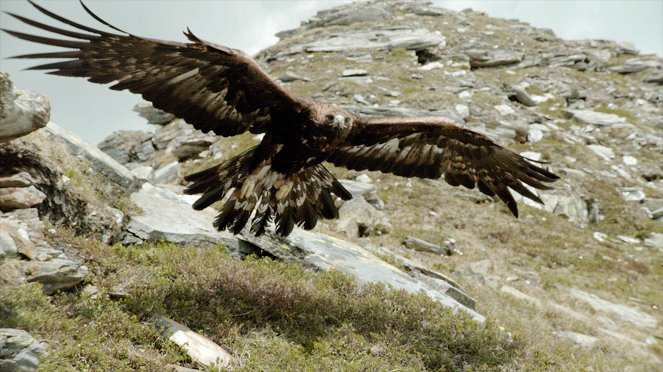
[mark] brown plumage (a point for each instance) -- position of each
(219, 89)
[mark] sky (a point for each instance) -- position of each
(93, 112)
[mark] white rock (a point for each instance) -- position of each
(602, 151)
(631, 193)
(354, 72)
(143, 172)
(628, 239)
(466, 94)
(578, 338)
(167, 173)
(627, 313)
(505, 110)
(431, 66)
(520, 295)
(364, 178)
(596, 118)
(630, 160)
(462, 110)
(536, 156)
(534, 135)
(200, 348)
(601, 237)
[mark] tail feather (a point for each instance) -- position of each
(251, 191)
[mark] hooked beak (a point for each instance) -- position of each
(339, 121)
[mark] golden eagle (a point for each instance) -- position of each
(219, 89)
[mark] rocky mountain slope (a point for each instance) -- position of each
(571, 284)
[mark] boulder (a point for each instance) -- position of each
(98, 160)
(21, 179)
(56, 274)
(21, 111)
(19, 351)
(153, 115)
(163, 212)
(358, 218)
(424, 246)
(20, 197)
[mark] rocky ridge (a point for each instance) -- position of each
(591, 109)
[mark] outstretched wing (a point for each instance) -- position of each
(432, 147)
(212, 87)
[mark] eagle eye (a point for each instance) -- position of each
(347, 120)
(329, 117)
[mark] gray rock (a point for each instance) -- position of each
(513, 292)
(153, 115)
(479, 272)
(128, 146)
(365, 190)
(655, 240)
(326, 253)
(163, 213)
(21, 112)
(291, 76)
(20, 197)
(653, 207)
(424, 246)
(485, 59)
(520, 95)
(143, 172)
(595, 118)
(390, 38)
(201, 349)
(344, 17)
(628, 68)
(354, 72)
(655, 78)
(631, 193)
(7, 244)
(574, 207)
(22, 179)
(605, 152)
(358, 218)
(15, 239)
(19, 351)
(100, 161)
(56, 274)
(168, 173)
(626, 313)
(578, 338)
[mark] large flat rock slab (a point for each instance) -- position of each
(167, 216)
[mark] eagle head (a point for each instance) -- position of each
(336, 119)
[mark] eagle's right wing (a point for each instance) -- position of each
(212, 87)
(435, 146)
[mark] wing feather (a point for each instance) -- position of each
(432, 147)
(210, 86)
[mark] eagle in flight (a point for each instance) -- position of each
(282, 179)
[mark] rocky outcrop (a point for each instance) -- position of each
(21, 112)
(19, 351)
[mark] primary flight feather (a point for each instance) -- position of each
(282, 179)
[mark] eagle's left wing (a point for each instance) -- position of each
(432, 147)
(212, 87)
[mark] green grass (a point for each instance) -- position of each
(270, 314)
